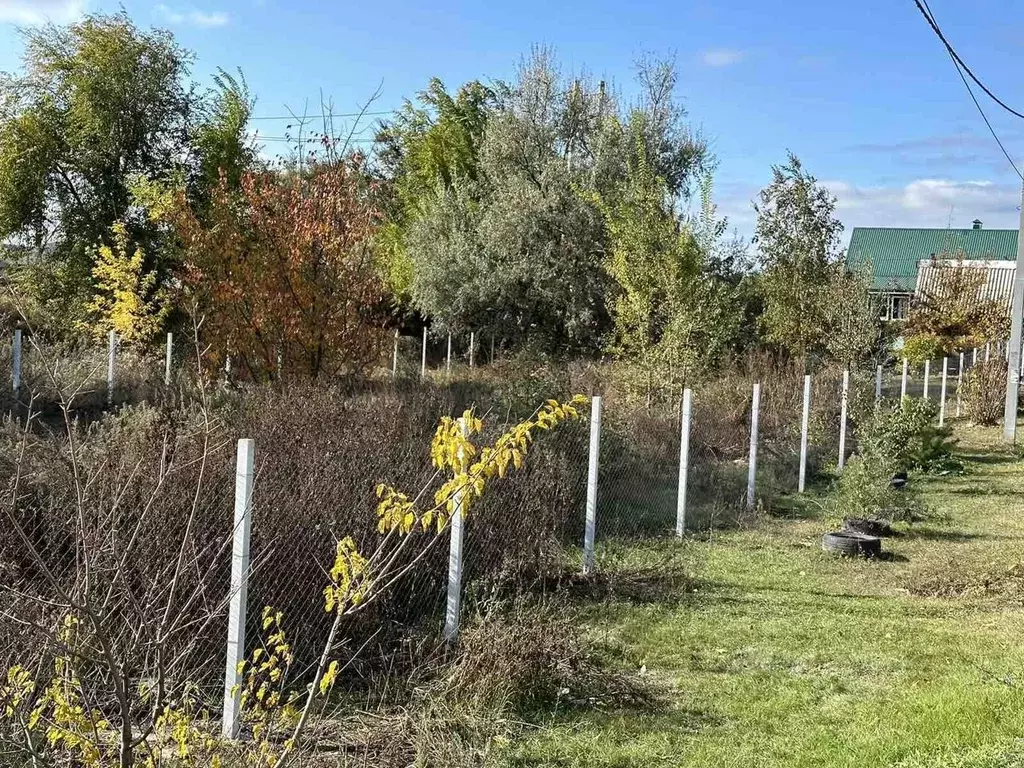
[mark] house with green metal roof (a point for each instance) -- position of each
(895, 256)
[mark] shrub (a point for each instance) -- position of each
(907, 437)
(985, 392)
(865, 490)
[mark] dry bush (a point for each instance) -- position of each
(985, 392)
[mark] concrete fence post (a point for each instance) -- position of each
(843, 407)
(755, 415)
(804, 426)
(592, 473)
(927, 373)
(942, 391)
(472, 348)
(457, 525)
(959, 383)
(878, 385)
(684, 462)
(168, 354)
(974, 358)
(394, 358)
(232, 721)
(903, 381)
(492, 348)
(988, 351)
(111, 354)
(16, 363)
(448, 358)
(423, 363)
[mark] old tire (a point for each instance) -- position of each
(868, 526)
(851, 544)
(899, 481)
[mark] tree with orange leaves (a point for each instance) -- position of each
(281, 271)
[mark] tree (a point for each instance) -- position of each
(221, 141)
(127, 299)
(517, 246)
(425, 150)
(953, 311)
(99, 102)
(281, 274)
(797, 236)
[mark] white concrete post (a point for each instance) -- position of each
(111, 354)
(878, 385)
(927, 372)
(959, 383)
(394, 358)
(1006, 350)
(684, 463)
(903, 382)
(423, 364)
(448, 359)
(974, 358)
(804, 426)
(592, 467)
(843, 406)
(755, 415)
(492, 348)
(453, 608)
(988, 350)
(232, 720)
(472, 348)
(167, 359)
(16, 360)
(942, 391)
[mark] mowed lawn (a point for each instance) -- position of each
(785, 656)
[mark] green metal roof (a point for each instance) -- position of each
(894, 252)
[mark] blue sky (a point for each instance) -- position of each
(862, 92)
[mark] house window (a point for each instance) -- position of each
(900, 307)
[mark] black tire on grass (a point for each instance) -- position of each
(851, 544)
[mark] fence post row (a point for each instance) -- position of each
(842, 419)
(452, 610)
(592, 467)
(232, 722)
(942, 391)
(804, 424)
(16, 360)
(903, 382)
(684, 462)
(927, 372)
(959, 382)
(111, 353)
(755, 413)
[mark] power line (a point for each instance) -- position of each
(960, 69)
(311, 118)
(927, 13)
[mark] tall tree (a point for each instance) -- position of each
(797, 236)
(99, 101)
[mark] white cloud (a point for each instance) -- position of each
(40, 11)
(721, 57)
(927, 202)
(196, 18)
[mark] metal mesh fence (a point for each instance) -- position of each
(319, 455)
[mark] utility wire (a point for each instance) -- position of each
(927, 13)
(314, 118)
(960, 69)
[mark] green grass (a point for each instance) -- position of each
(785, 656)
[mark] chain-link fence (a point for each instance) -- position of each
(155, 527)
